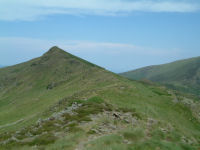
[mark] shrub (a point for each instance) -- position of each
(96, 99)
(44, 139)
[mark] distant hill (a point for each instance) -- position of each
(60, 101)
(1, 66)
(183, 75)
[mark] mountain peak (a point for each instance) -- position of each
(54, 49)
(55, 54)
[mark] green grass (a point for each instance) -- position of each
(183, 75)
(44, 139)
(24, 98)
(134, 135)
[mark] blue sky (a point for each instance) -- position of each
(119, 35)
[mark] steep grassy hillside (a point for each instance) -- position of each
(61, 102)
(181, 75)
(33, 86)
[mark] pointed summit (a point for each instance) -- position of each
(55, 54)
(54, 50)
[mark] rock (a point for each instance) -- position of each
(134, 121)
(122, 88)
(51, 118)
(164, 130)
(175, 100)
(40, 121)
(151, 122)
(94, 131)
(13, 138)
(51, 86)
(127, 121)
(28, 134)
(116, 115)
(186, 140)
(113, 127)
(127, 142)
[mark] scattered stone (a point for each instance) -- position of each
(13, 138)
(51, 86)
(116, 115)
(164, 130)
(134, 121)
(127, 142)
(127, 121)
(186, 140)
(122, 88)
(175, 100)
(107, 127)
(151, 122)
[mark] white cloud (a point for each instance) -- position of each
(35, 9)
(40, 45)
(110, 48)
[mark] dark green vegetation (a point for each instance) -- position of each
(183, 75)
(59, 101)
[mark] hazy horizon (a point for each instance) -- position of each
(118, 35)
(28, 59)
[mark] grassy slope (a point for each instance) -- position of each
(24, 98)
(183, 75)
(24, 93)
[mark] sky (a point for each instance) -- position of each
(119, 35)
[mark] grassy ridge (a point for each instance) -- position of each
(148, 116)
(181, 75)
(34, 86)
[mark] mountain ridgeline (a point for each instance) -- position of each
(61, 102)
(183, 75)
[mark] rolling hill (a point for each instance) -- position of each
(61, 102)
(183, 75)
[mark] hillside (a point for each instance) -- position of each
(61, 102)
(183, 75)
